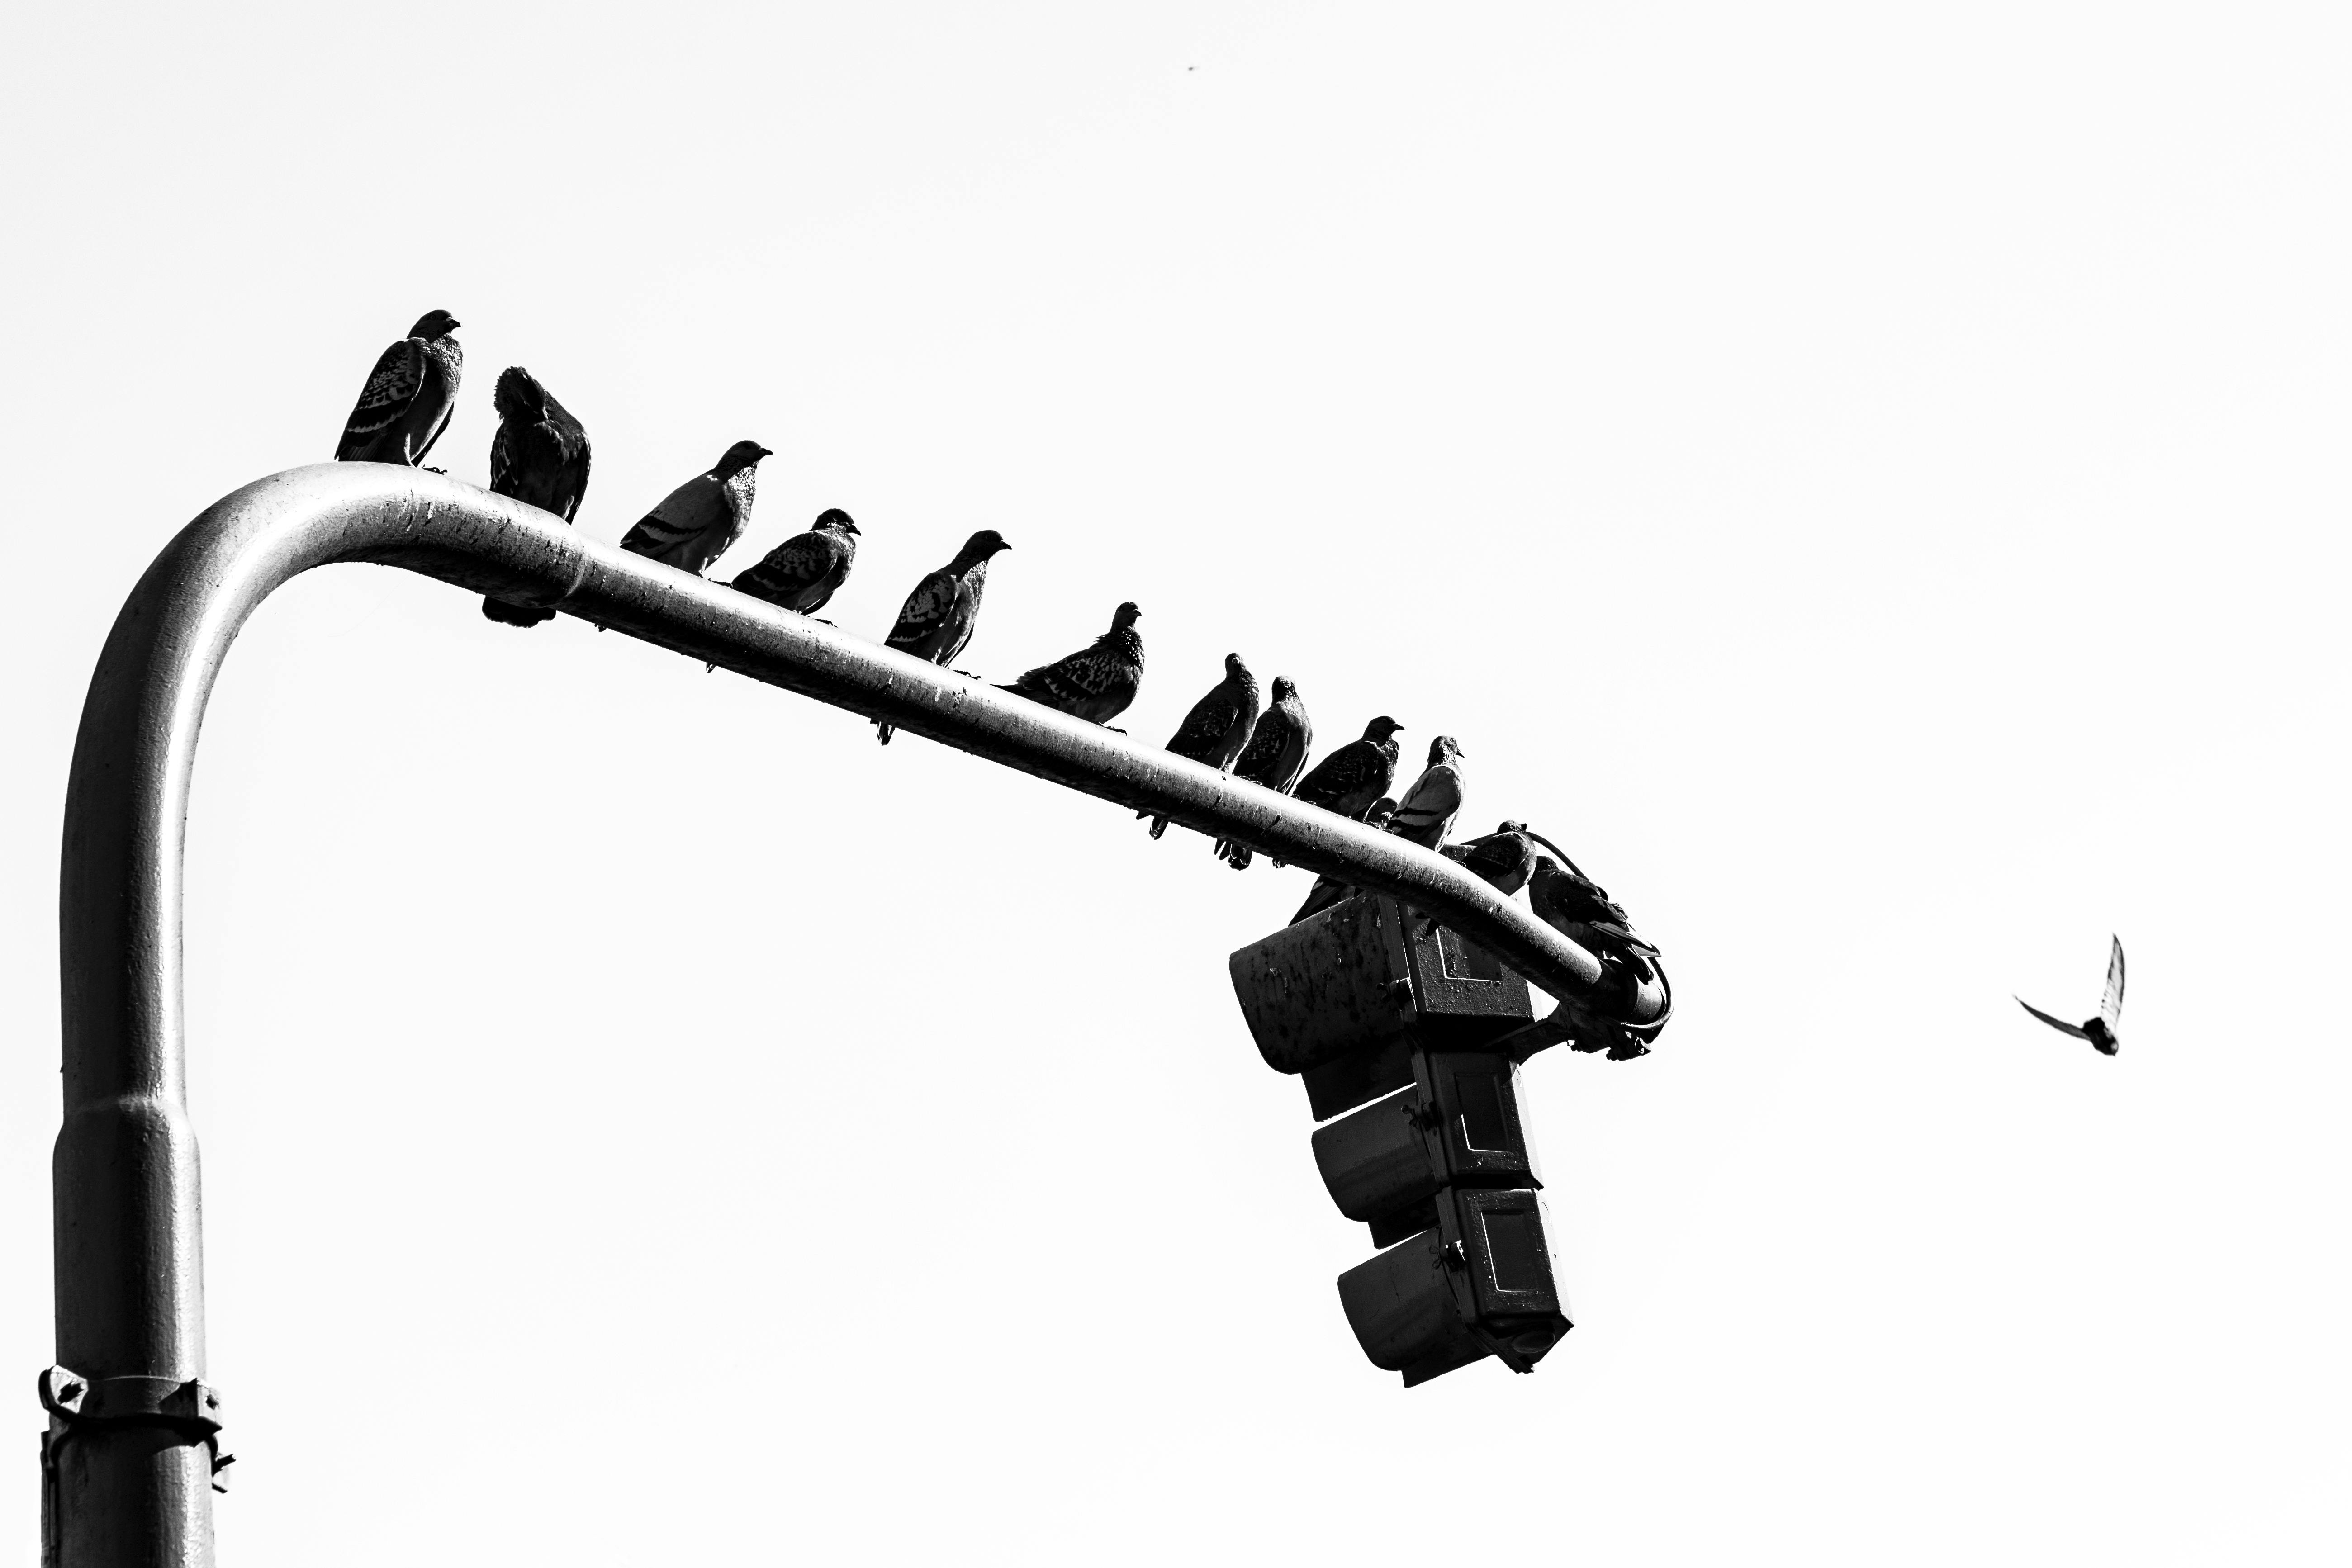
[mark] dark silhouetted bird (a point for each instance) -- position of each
(1503, 858)
(1097, 682)
(1357, 773)
(695, 523)
(1218, 726)
(938, 617)
(1426, 815)
(1328, 890)
(540, 457)
(1578, 907)
(802, 572)
(2100, 1031)
(1274, 757)
(405, 405)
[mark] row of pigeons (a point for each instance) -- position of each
(540, 456)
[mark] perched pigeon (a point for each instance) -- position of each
(1218, 726)
(2100, 1031)
(1503, 858)
(1274, 757)
(405, 405)
(1426, 813)
(939, 617)
(802, 572)
(695, 523)
(539, 457)
(1357, 773)
(1328, 890)
(1578, 907)
(1097, 682)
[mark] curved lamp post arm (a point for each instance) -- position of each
(127, 1477)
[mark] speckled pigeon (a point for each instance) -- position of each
(695, 523)
(1218, 726)
(1503, 858)
(1097, 682)
(406, 403)
(1274, 757)
(1357, 773)
(802, 572)
(540, 457)
(1426, 815)
(937, 620)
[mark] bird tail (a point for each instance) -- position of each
(883, 733)
(508, 614)
(1159, 825)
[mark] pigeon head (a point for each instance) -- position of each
(434, 324)
(980, 547)
(1443, 750)
(1381, 728)
(1126, 617)
(738, 457)
(1283, 690)
(834, 518)
(1234, 668)
(519, 394)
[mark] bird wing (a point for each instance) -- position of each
(576, 462)
(1438, 792)
(1267, 758)
(1082, 678)
(682, 516)
(2111, 1005)
(790, 567)
(926, 612)
(1202, 735)
(503, 475)
(392, 386)
(2058, 1024)
(1344, 770)
(1431, 803)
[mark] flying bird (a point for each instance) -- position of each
(405, 403)
(540, 457)
(695, 523)
(1426, 813)
(1097, 682)
(1274, 757)
(2100, 1031)
(1328, 889)
(802, 572)
(1218, 728)
(938, 617)
(1357, 773)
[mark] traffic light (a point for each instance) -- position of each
(1397, 1031)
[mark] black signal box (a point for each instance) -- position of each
(1477, 1283)
(1344, 998)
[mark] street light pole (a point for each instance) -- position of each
(130, 1462)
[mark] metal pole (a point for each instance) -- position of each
(128, 1465)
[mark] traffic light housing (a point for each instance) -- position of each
(1397, 1029)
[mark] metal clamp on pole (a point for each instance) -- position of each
(74, 1402)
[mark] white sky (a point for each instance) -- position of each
(1869, 479)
